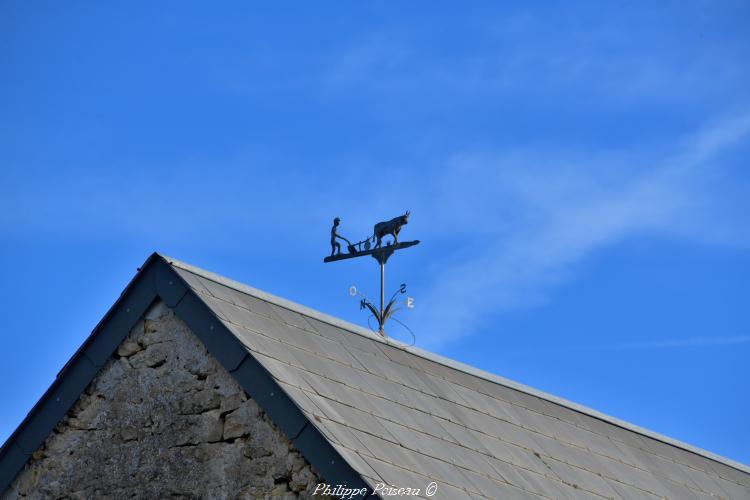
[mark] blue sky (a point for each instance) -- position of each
(578, 175)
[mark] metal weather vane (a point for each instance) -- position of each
(374, 246)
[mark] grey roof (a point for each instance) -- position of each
(368, 410)
(403, 416)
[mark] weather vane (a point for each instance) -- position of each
(374, 246)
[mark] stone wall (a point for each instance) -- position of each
(164, 419)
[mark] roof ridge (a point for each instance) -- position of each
(448, 362)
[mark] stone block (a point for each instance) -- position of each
(151, 357)
(198, 402)
(128, 348)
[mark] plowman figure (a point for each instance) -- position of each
(335, 245)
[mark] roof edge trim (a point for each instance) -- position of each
(154, 280)
(451, 363)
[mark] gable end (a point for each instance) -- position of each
(156, 280)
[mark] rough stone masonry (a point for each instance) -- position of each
(164, 419)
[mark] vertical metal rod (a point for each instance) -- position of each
(382, 296)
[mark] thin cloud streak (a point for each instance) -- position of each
(568, 216)
(675, 343)
(513, 60)
(648, 345)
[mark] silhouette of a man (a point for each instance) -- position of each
(335, 245)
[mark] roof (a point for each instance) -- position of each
(366, 410)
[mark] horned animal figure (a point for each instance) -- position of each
(392, 227)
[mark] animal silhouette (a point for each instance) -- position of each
(392, 227)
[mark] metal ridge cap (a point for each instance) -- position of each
(451, 363)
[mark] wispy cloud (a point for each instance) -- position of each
(559, 210)
(650, 345)
(673, 343)
(597, 58)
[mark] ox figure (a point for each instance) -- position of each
(392, 227)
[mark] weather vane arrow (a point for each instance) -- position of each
(374, 246)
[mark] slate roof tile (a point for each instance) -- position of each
(411, 416)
